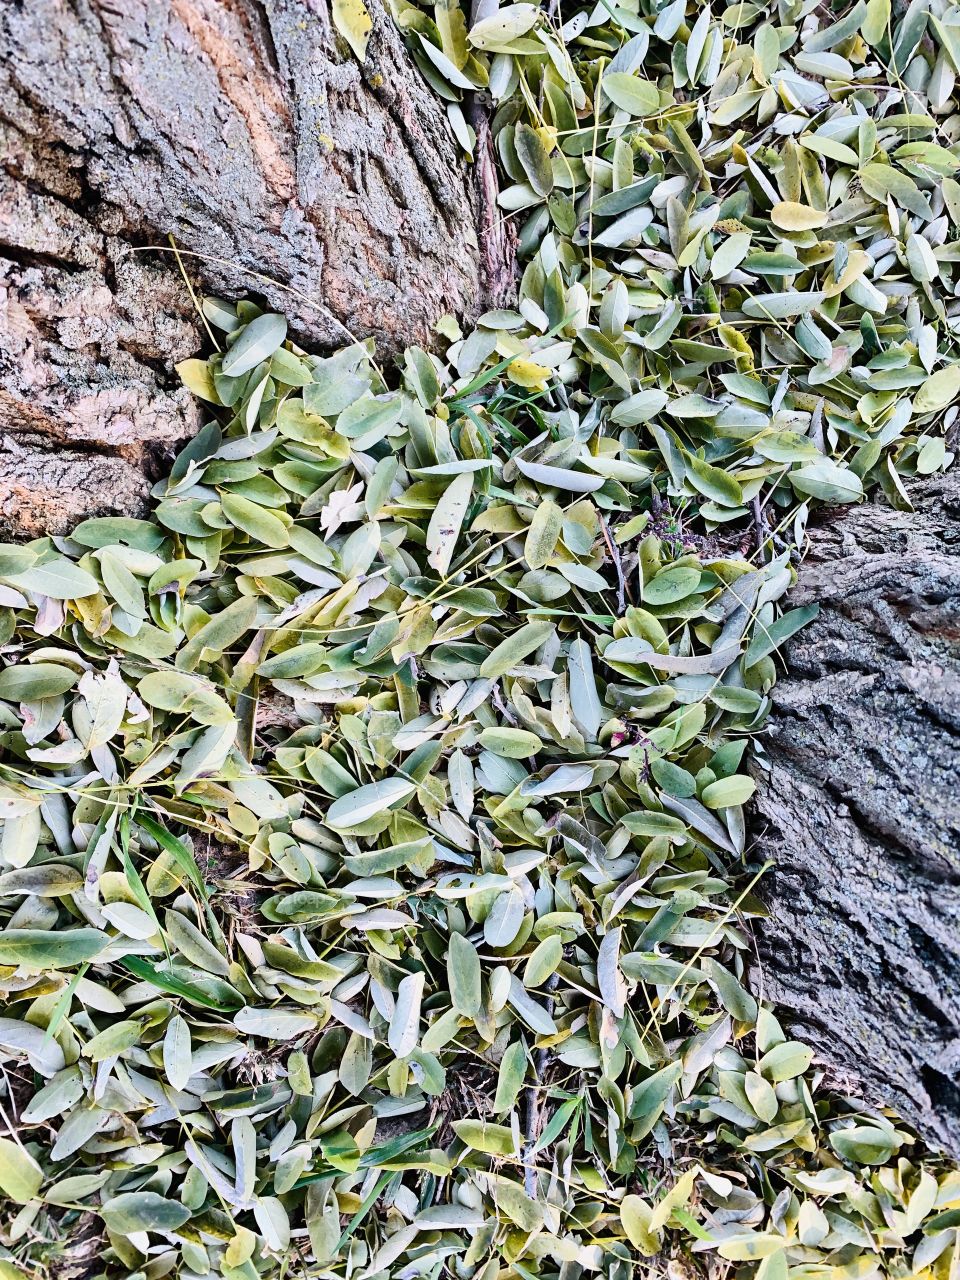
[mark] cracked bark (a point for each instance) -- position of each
(859, 810)
(248, 132)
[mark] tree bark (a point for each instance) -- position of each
(248, 132)
(859, 810)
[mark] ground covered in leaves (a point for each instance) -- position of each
(374, 865)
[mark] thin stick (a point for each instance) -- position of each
(617, 564)
(193, 297)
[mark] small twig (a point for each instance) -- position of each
(12, 1130)
(617, 564)
(760, 524)
(531, 1117)
(193, 297)
(497, 699)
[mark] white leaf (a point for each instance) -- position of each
(356, 807)
(404, 1029)
(447, 521)
(177, 1052)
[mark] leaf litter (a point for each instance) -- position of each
(374, 873)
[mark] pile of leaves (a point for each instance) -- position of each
(374, 865)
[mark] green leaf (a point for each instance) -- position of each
(31, 681)
(828, 482)
(222, 631)
(773, 264)
(113, 1040)
(728, 791)
(254, 520)
(256, 343)
(503, 27)
(767, 639)
(532, 154)
(370, 418)
(584, 695)
(514, 744)
(543, 961)
(650, 1097)
(143, 1211)
(939, 390)
(515, 648)
(494, 1139)
(785, 1061)
(671, 585)
(40, 949)
(220, 996)
(883, 181)
(864, 1144)
(121, 584)
(787, 446)
(175, 847)
(510, 1077)
(713, 482)
(20, 1175)
(631, 94)
(60, 579)
(463, 975)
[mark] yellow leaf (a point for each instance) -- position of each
(197, 377)
(240, 1248)
(751, 1246)
(876, 21)
(635, 1217)
(527, 373)
(351, 19)
(20, 1175)
(791, 216)
(676, 1197)
(857, 265)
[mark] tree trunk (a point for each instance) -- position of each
(250, 134)
(860, 811)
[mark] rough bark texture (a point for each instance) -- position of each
(860, 809)
(249, 132)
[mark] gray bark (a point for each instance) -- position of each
(248, 132)
(860, 810)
